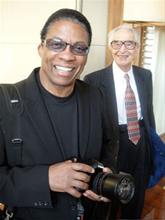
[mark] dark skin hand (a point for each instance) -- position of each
(73, 178)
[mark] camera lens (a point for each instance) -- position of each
(125, 189)
(120, 186)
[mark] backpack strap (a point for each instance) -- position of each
(13, 98)
(11, 108)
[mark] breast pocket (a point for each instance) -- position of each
(14, 152)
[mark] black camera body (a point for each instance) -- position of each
(119, 186)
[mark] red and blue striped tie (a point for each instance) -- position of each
(131, 112)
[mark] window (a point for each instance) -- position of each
(147, 47)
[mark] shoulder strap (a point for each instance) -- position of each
(11, 108)
(12, 97)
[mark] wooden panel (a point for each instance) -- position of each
(115, 18)
(154, 206)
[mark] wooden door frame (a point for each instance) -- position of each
(115, 18)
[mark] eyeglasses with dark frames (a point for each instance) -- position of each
(58, 45)
(130, 45)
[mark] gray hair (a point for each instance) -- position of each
(124, 27)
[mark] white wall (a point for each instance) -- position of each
(21, 22)
(97, 13)
(144, 10)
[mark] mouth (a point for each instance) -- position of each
(123, 55)
(64, 71)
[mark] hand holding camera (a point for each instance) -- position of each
(76, 178)
(70, 176)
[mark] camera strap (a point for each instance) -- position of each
(80, 210)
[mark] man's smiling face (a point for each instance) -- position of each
(124, 57)
(60, 69)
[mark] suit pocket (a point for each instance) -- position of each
(14, 153)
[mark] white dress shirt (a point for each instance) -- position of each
(120, 87)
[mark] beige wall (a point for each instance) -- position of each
(144, 10)
(20, 25)
(97, 13)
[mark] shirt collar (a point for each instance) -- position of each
(116, 69)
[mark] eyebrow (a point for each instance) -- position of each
(60, 39)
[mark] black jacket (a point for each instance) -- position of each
(24, 166)
(103, 79)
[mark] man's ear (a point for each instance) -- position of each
(40, 49)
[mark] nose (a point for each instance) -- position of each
(122, 48)
(67, 54)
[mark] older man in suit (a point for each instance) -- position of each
(127, 91)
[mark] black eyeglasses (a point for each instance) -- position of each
(58, 45)
(130, 45)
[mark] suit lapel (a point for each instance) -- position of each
(140, 88)
(110, 95)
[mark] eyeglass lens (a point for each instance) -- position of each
(58, 45)
(130, 45)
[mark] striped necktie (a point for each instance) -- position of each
(131, 112)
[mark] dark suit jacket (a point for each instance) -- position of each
(24, 166)
(104, 80)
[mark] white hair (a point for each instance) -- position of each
(124, 27)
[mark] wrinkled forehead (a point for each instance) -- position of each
(123, 35)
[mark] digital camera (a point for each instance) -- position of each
(120, 186)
